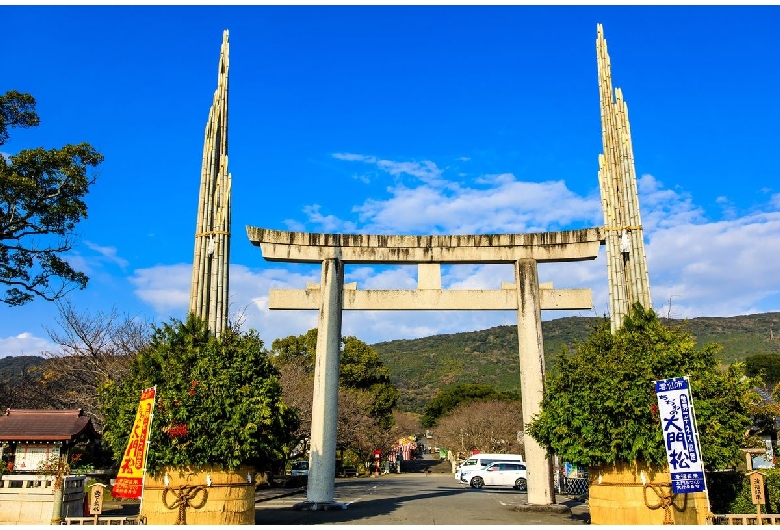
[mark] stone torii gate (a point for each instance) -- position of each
(622, 235)
(626, 271)
(331, 296)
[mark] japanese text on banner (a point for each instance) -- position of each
(129, 480)
(680, 436)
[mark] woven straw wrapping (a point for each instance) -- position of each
(622, 498)
(230, 499)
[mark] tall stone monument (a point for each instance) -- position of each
(626, 261)
(209, 288)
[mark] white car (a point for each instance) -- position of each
(482, 460)
(300, 468)
(498, 474)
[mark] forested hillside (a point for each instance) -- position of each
(17, 366)
(422, 366)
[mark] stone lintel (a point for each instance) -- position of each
(429, 275)
(303, 247)
(430, 299)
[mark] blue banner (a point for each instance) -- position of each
(680, 436)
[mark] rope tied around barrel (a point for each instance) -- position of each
(185, 495)
(665, 498)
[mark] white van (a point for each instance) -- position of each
(300, 468)
(482, 460)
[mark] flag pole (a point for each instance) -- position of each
(698, 445)
(147, 443)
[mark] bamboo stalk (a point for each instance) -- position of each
(628, 278)
(209, 288)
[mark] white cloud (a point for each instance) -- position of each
(167, 290)
(249, 296)
(665, 208)
(25, 343)
(510, 206)
(328, 223)
(95, 263)
(108, 254)
(706, 268)
(165, 287)
(716, 269)
(426, 171)
(352, 157)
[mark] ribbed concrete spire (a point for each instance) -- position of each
(626, 260)
(209, 289)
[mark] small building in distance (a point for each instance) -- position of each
(28, 438)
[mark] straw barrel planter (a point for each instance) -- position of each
(189, 499)
(617, 496)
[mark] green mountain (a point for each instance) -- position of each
(15, 366)
(420, 367)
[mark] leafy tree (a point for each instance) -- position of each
(218, 400)
(451, 398)
(361, 368)
(366, 394)
(296, 349)
(767, 365)
(16, 110)
(41, 201)
(599, 404)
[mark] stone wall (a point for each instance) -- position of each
(29, 499)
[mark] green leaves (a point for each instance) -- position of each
(16, 110)
(41, 202)
(224, 391)
(598, 401)
(450, 399)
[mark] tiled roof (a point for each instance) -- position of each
(44, 425)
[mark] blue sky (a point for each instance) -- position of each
(405, 119)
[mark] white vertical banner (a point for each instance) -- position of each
(681, 440)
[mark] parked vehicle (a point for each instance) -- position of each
(482, 460)
(498, 474)
(300, 468)
(350, 471)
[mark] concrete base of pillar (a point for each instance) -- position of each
(320, 506)
(544, 508)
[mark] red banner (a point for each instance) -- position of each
(129, 480)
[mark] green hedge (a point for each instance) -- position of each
(729, 492)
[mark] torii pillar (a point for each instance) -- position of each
(325, 401)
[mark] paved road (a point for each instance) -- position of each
(416, 499)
